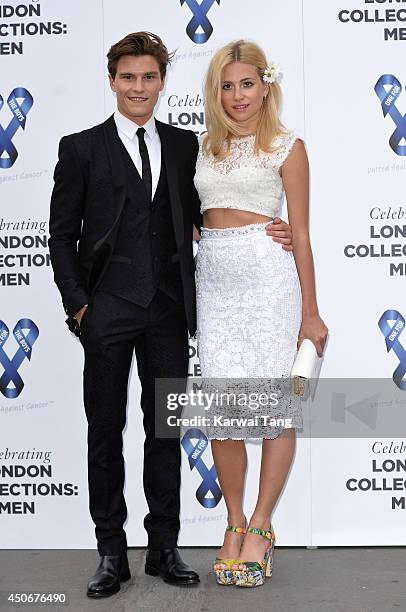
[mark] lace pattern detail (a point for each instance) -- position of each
(244, 180)
(248, 320)
(242, 153)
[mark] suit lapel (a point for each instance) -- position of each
(168, 158)
(114, 155)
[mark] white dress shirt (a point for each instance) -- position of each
(127, 130)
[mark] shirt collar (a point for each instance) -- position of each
(129, 128)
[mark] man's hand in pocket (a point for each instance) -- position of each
(78, 316)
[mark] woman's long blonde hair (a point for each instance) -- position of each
(220, 127)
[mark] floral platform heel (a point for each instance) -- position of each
(253, 573)
(222, 567)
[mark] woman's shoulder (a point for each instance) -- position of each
(203, 149)
(285, 137)
(201, 138)
(282, 144)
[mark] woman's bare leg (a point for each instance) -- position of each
(230, 458)
(277, 455)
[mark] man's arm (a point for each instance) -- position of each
(65, 225)
(281, 232)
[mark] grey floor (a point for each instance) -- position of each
(321, 580)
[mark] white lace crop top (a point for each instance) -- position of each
(243, 180)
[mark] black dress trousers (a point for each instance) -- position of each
(111, 329)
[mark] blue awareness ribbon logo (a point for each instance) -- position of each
(199, 20)
(392, 334)
(20, 112)
(388, 105)
(24, 351)
(209, 476)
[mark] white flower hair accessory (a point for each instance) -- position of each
(272, 73)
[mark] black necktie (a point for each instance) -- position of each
(146, 167)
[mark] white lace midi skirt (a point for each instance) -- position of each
(248, 321)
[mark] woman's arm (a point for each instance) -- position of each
(295, 177)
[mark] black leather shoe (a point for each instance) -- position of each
(112, 570)
(168, 564)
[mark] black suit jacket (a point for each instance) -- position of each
(87, 202)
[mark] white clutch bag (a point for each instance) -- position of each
(305, 367)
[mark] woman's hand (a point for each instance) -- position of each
(314, 329)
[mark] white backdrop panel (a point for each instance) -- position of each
(63, 73)
(354, 172)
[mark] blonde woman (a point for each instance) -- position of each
(256, 302)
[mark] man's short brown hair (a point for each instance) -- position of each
(139, 43)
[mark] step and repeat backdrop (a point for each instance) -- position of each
(343, 80)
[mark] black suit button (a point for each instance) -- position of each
(154, 234)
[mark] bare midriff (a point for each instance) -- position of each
(221, 218)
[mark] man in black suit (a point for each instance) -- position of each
(123, 209)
